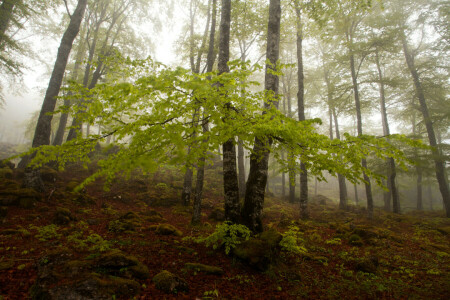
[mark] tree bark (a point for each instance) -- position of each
(438, 159)
(196, 216)
(367, 183)
(341, 178)
(6, 12)
(43, 127)
(259, 159)
(304, 214)
(230, 177)
(391, 170)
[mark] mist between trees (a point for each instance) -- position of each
(289, 96)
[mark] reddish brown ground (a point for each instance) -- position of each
(413, 258)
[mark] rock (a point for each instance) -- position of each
(7, 264)
(127, 264)
(218, 214)
(32, 179)
(321, 199)
(204, 268)
(151, 213)
(365, 233)
(368, 265)
(127, 222)
(259, 252)
(48, 174)
(355, 240)
(7, 164)
(167, 229)
(14, 195)
(170, 283)
(59, 277)
(63, 216)
(3, 212)
(6, 172)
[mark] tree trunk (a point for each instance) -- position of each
(290, 157)
(438, 159)
(391, 170)
(301, 112)
(259, 159)
(43, 127)
(230, 177)
(196, 216)
(241, 169)
(360, 132)
(6, 11)
(341, 178)
(419, 188)
(356, 194)
(283, 181)
(430, 195)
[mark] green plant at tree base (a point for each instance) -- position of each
(228, 235)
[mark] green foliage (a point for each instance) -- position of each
(291, 240)
(334, 241)
(46, 233)
(149, 108)
(228, 235)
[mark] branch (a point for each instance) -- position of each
(67, 9)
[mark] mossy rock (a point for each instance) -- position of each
(365, 232)
(48, 174)
(24, 197)
(368, 265)
(272, 237)
(70, 187)
(7, 264)
(121, 226)
(218, 214)
(204, 268)
(6, 173)
(170, 283)
(7, 164)
(151, 213)
(63, 216)
(155, 219)
(355, 240)
(3, 212)
(167, 229)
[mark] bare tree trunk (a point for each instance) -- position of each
(196, 216)
(438, 160)
(301, 112)
(391, 170)
(341, 178)
(367, 183)
(259, 159)
(419, 189)
(230, 177)
(241, 169)
(356, 194)
(43, 127)
(283, 181)
(430, 195)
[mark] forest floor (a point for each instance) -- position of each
(347, 255)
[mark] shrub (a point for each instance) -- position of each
(228, 235)
(291, 240)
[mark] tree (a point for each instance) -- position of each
(43, 127)
(196, 215)
(259, 159)
(301, 110)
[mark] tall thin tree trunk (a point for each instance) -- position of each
(341, 178)
(430, 195)
(283, 181)
(241, 169)
(356, 194)
(419, 189)
(259, 159)
(391, 170)
(438, 160)
(43, 127)
(367, 183)
(230, 177)
(196, 216)
(301, 112)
